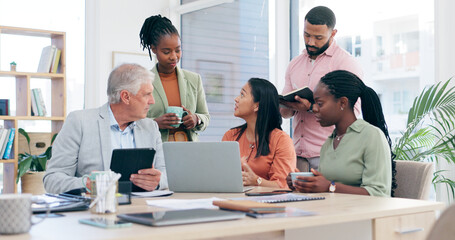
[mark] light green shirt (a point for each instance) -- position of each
(362, 159)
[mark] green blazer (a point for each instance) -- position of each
(192, 96)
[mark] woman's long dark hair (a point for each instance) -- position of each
(342, 83)
(153, 29)
(269, 116)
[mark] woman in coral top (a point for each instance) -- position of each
(267, 152)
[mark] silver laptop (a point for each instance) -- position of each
(203, 166)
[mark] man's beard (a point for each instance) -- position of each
(318, 50)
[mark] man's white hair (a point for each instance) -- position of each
(128, 76)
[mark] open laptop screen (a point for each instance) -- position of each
(203, 166)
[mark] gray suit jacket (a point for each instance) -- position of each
(84, 145)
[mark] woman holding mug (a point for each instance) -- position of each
(267, 152)
(173, 86)
(356, 158)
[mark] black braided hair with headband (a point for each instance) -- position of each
(153, 29)
(342, 83)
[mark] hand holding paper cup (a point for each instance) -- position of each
(303, 174)
(179, 112)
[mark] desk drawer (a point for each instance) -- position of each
(412, 226)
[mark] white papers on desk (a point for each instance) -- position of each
(156, 193)
(181, 204)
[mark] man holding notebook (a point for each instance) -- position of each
(322, 55)
(88, 137)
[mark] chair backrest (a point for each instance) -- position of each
(413, 179)
(443, 228)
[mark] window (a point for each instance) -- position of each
(388, 43)
(227, 44)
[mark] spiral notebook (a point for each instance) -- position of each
(288, 197)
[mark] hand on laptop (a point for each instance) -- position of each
(249, 177)
(147, 179)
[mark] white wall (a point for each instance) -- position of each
(444, 65)
(113, 25)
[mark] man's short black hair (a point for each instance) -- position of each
(321, 15)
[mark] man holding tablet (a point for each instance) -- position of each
(88, 137)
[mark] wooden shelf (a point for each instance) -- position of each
(20, 118)
(32, 75)
(23, 98)
(8, 161)
(29, 32)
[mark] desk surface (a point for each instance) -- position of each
(336, 208)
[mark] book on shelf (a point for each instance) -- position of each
(34, 106)
(4, 143)
(56, 60)
(37, 96)
(4, 107)
(303, 92)
(39, 111)
(45, 62)
(9, 144)
(3, 140)
(249, 206)
(40, 99)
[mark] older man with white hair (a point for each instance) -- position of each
(88, 137)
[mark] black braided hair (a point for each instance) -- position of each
(153, 29)
(342, 83)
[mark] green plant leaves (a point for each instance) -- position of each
(28, 162)
(430, 132)
(23, 166)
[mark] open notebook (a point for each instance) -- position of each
(288, 197)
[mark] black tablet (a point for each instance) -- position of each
(129, 161)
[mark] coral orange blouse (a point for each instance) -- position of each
(274, 167)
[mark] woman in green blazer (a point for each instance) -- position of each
(173, 86)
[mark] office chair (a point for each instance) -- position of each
(413, 179)
(443, 228)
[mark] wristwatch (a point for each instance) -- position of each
(332, 187)
(259, 181)
(199, 121)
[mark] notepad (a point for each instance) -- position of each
(289, 212)
(289, 197)
(249, 206)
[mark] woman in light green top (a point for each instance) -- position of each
(356, 158)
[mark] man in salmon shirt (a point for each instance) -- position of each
(321, 56)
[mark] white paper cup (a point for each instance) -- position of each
(303, 174)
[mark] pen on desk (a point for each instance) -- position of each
(282, 190)
(62, 197)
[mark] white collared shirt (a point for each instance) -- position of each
(119, 138)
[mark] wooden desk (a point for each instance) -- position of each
(340, 215)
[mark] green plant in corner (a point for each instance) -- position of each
(430, 132)
(28, 162)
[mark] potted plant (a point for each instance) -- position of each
(430, 131)
(31, 168)
(12, 66)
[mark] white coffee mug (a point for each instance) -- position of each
(15, 213)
